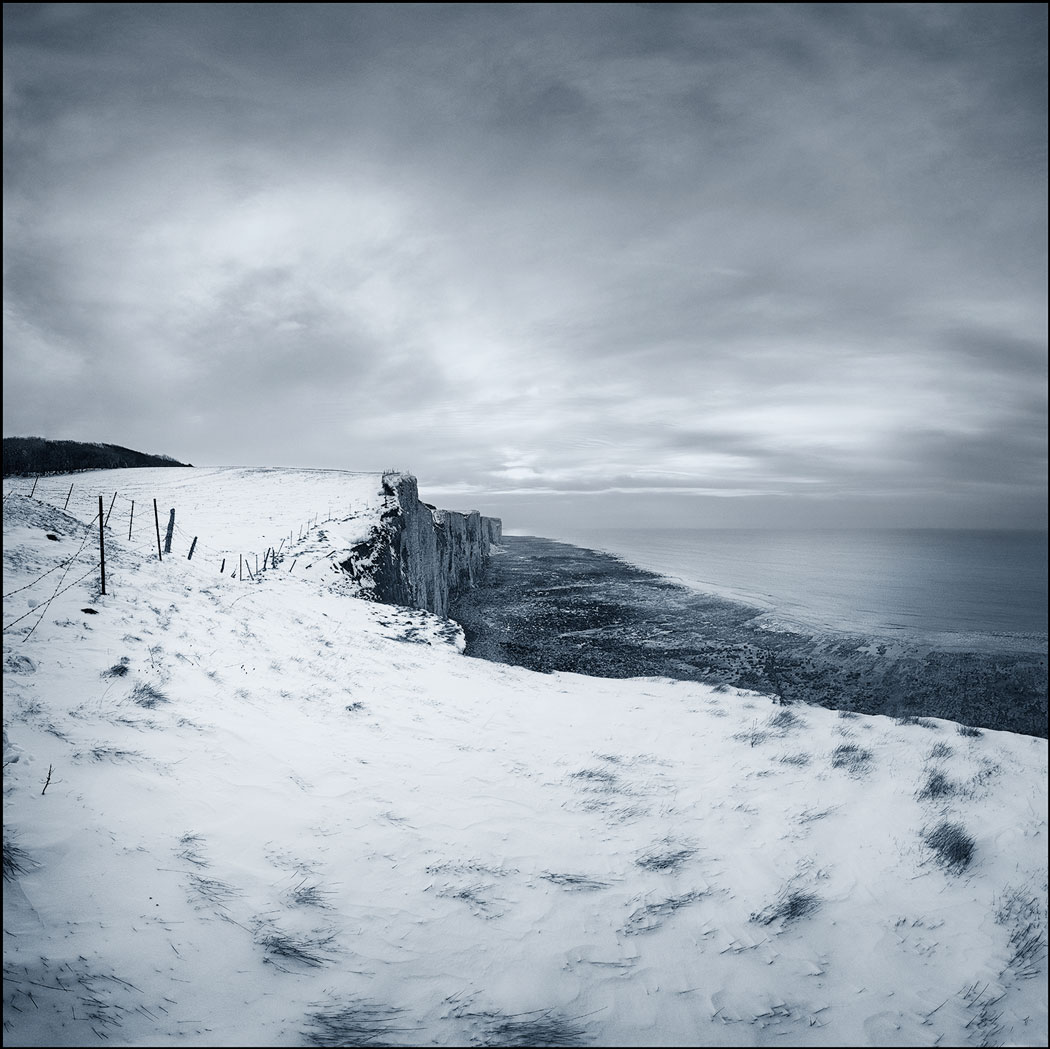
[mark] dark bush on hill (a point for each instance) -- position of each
(31, 456)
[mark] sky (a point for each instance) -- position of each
(697, 265)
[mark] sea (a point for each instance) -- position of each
(960, 588)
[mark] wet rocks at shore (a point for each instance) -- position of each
(550, 606)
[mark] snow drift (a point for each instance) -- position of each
(262, 813)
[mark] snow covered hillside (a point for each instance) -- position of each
(261, 812)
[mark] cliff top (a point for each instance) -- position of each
(266, 815)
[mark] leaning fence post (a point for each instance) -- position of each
(249, 567)
(68, 494)
(193, 546)
(110, 510)
(156, 521)
(35, 479)
(101, 548)
(132, 521)
(222, 567)
(171, 529)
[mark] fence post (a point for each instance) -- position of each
(240, 567)
(222, 567)
(33, 492)
(256, 566)
(189, 556)
(68, 494)
(132, 521)
(110, 510)
(171, 529)
(101, 548)
(156, 521)
(249, 567)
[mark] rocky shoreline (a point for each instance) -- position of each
(551, 606)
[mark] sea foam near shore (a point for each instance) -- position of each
(975, 590)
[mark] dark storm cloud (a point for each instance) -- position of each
(770, 249)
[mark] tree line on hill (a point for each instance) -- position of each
(34, 456)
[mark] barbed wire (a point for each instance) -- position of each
(57, 593)
(196, 545)
(53, 568)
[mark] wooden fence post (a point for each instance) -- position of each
(240, 567)
(222, 567)
(68, 494)
(110, 510)
(132, 521)
(171, 529)
(33, 492)
(249, 567)
(101, 548)
(193, 545)
(156, 521)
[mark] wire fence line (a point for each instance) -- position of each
(271, 558)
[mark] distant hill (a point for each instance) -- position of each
(26, 456)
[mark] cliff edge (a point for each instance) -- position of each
(418, 555)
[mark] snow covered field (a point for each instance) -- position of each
(277, 815)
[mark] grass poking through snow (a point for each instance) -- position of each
(855, 760)
(952, 846)
(16, 860)
(788, 907)
(145, 695)
(353, 1021)
(539, 1028)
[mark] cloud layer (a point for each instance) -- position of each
(791, 258)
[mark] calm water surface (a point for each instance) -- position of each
(917, 582)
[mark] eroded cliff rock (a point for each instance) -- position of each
(418, 555)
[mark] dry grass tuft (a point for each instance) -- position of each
(785, 719)
(16, 860)
(145, 695)
(855, 760)
(911, 719)
(310, 950)
(789, 907)
(651, 916)
(666, 856)
(952, 845)
(355, 1021)
(937, 785)
(575, 882)
(539, 1028)
(1023, 915)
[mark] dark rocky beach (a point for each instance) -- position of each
(551, 606)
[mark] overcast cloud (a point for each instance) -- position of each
(742, 264)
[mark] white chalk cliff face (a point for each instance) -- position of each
(420, 556)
